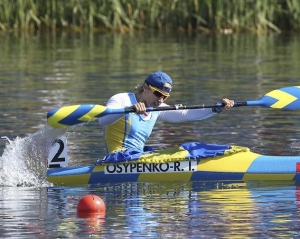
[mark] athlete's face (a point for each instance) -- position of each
(155, 96)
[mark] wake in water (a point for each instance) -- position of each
(24, 160)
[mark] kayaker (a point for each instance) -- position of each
(127, 134)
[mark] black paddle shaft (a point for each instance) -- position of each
(182, 107)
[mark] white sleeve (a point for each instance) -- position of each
(176, 116)
(117, 101)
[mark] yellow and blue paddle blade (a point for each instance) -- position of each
(76, 114)
(287, 98)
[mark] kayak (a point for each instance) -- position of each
(241, 164)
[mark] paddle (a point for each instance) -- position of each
(284, 98)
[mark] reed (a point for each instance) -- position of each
(125, 15)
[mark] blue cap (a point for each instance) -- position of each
(158, 79)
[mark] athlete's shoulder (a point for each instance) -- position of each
(121, 95)
(120, 100)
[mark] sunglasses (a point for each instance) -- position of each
(158, 93)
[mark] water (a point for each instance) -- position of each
(153, 210)
(24, 160)
(42, 72)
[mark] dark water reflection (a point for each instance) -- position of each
(42, 72)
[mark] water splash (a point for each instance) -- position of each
(24, 160)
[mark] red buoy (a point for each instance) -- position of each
(91, 204)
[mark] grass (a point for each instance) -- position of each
(126, 15)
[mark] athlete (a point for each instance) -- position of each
(129, 132)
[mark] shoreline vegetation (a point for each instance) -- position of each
(225, 16)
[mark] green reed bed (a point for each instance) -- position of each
(123, 15)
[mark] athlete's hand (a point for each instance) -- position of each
(140, 108)
(228, 103)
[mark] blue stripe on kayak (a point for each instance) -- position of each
(269, 164)
(113, 178)
(70, 171)
(198, 176)
(297, 177)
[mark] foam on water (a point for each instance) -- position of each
(24, 160)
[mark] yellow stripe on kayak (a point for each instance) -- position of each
(283, 98)
(80, 179)
(98, 168)
(164, 156)
(228, 163)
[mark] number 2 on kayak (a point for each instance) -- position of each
(58, 155)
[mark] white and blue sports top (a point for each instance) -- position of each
(130, 131)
